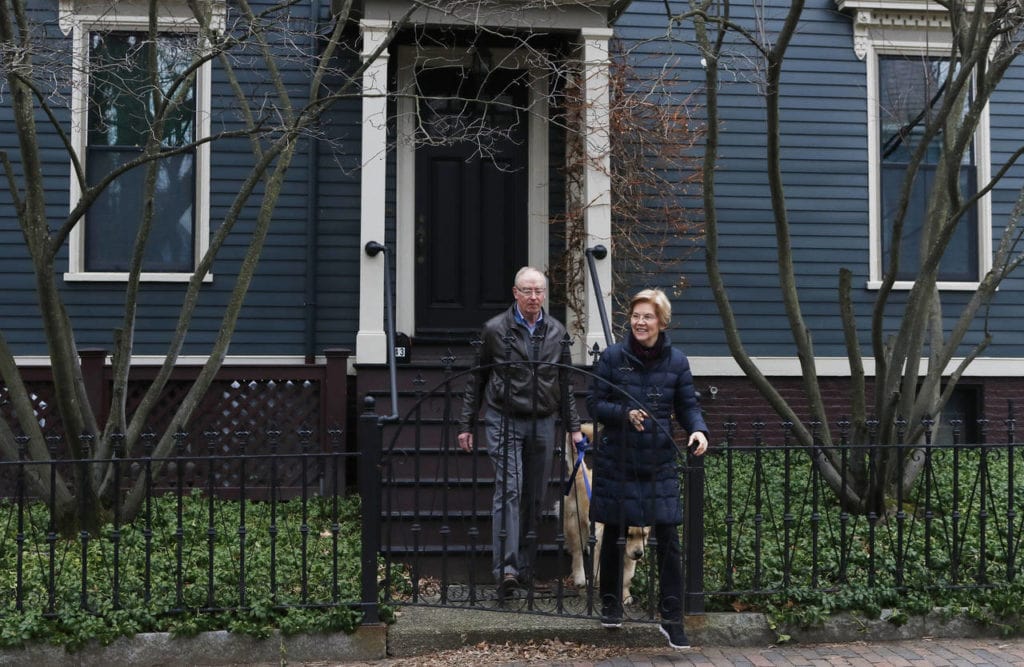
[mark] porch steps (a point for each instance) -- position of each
(436, 499)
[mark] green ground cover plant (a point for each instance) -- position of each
(783, 544)
(776, 541)
(175, 569)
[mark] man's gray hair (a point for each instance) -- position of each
(527, 269)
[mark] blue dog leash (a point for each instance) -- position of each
(581, 449)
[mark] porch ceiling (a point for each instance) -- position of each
(568, 15)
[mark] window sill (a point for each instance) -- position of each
(906, 285)
(100, 277)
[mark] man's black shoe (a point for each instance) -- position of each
(508, 585)
(537, 586)
(611, 615)
(675, 634)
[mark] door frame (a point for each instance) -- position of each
(408, 58)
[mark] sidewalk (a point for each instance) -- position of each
(441, 637)
(718, 639)
(917, 653)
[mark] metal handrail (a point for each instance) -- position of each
(599, 252)
(373, 249)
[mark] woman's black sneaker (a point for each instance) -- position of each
(611, 615)
(675, 634)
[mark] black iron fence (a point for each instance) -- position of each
(231, 522)
(950, 519)
(245, 523)
(763, 517)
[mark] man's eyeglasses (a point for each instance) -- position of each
(645, 317)
(535, 291)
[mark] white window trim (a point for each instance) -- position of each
(78, 18)
(706, 368)
(896, 27)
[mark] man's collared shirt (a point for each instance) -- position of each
(522, 320)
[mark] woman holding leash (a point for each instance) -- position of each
(642, 383)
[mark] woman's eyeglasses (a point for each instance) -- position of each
(645, 317)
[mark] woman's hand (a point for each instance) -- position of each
(637, 417)
(699, 442)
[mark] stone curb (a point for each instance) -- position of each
(422, 630)
(209, 649)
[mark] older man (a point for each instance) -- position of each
(521, 402)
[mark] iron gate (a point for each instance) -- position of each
(435, 500)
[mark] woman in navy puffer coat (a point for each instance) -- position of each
(642, 383)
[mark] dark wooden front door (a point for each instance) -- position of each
(471, 196)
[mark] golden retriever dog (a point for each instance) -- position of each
(576, 524)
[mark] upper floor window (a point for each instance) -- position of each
(910, 88)
(906, 52)
(121, 116)
(115, 106)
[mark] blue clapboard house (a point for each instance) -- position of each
(457, 221)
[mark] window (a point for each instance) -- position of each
(909, 90)
(115, 107)
(905, 51)
(120, 115)
(958, 422)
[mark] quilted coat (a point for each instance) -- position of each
(635, 477)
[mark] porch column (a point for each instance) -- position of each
(371, 341)
(597, 210)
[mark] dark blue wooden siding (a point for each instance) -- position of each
(824, 128)
(338, 248)
(19, 305)
(1007, 137)
(272, 320)
(825, 161)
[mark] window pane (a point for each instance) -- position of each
(460, 104)
(115, 216)
(961, 413)
(122, 104)
(122, 108)
(960, 262)
(892, 180)
(910, 92)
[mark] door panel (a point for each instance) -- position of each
(471, 201)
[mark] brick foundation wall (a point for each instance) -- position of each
(736, 400)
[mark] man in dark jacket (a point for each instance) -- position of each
(518, 384)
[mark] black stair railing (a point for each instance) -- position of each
(599, 252)
(373, 249)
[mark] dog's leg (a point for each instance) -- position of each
(636, 543)
(576, 539)
(576, 525)
(628, 570)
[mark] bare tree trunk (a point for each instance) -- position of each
(912, 380)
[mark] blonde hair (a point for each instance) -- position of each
(657, 298)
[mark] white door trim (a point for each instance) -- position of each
(405, 170)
